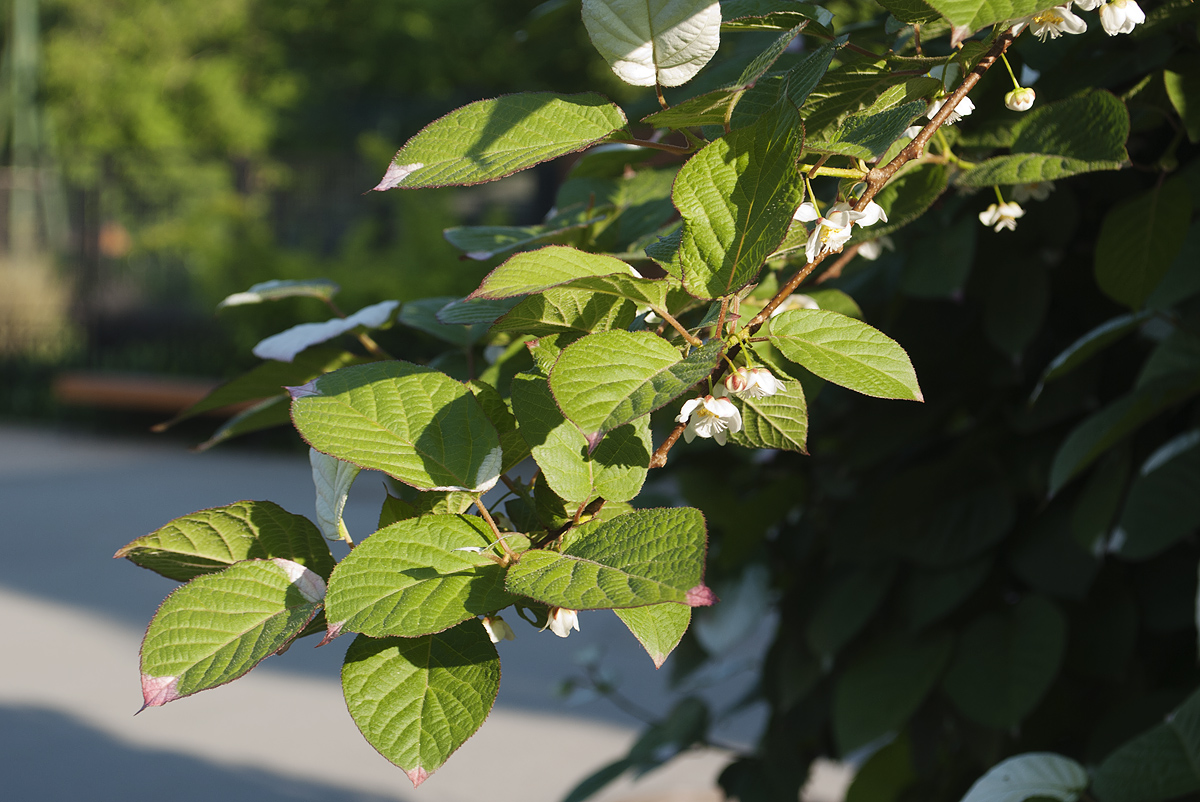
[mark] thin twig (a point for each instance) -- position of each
(678, 150)
(487, 516)
(675, 324)
(837, 267)
(662, 101)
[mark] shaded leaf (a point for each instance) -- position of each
(1156, 765)
(1138, 241)
(1034, 774)
(285, 345)
(321, 288)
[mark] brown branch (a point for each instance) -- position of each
(879, 176)
(837, 267)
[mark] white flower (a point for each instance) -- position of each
(561, 621)
(750, 383)
(1003, 216)
(498, 630)
(872, 213)
(710, 417)
(1038, 191)
(1121, 16)
(1053, 22)
(797, 300)
(831, 231)
(1088, 5)
(874, 249)
(961, 109)
(1020, 99)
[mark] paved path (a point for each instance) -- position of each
(74, 618)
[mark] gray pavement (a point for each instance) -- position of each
(74, 619)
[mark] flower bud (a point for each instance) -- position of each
(1020, 99)
(561, 621)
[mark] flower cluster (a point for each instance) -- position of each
(715, 415)
(1117, 16)
(750, 383)
(834, 228)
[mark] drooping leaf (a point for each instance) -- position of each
(1183, 87)
(658, 627)
(417, 576)
(424, 315)
(566, 311)
(410, 422)
(1162, 507)
(209, 540)
(217, 627)
(1139, 240)
(1081, 134)
(490, 139)
(484, 242)
(615, 470)
(606, 380)
(1159, 764)
(776, 421)
(332, 479)
(1088, 346)
(1104, 429)
(1004, 662)
(737, 197)
(1031, 775)
(265, 414)
(321, 288)
(976, 14)
(749, 15)
(641, 558)
(266, 380)
(648, 42)
(285, 345)
(880, 689)
(885, 774)
(846, 351)
(416, 700)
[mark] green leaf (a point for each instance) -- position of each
(856, 85)
(489, 139)
(881, 689)
(332, 479)
(605, 380)
(940, 262)
(775, 421)
(868, 135)
(885, 775)
(416, 700)
(268, 379)
(1104, 429)
(648, 42)
(748, 15)
(210, 540)
(321, 288)
(424, 315)
(467, 313)
(1183, 88)
(512, 444)
(1005, 662)
(615, 470)
(1034, 774)
(413, 423)
(644, 557)
(556, 266)
(846, 351)
(1178, 353)
(484, 242)
(1156, 765)
(737, 197)
(658, 627)
(1081, 134)
(1182, 280)
(1087, 346)
(263, 415)
(977, 14)
(1138, 241)
(1162, 507)
(287, 344)
(415, 577)
(561, 310)
(911, 11)
(423, 503)
(217, 627)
